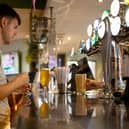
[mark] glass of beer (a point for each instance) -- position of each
(44, 80)
(44, 77)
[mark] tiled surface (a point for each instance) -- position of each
(74, 112)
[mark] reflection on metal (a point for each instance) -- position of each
(107, 62)
(119, 84)
(107, 59)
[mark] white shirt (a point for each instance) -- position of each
(4, 106)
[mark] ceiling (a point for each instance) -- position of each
(40, 4)
(72, 19)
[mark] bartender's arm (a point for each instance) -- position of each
(19, 81)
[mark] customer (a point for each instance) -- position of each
(73, 71)
(91, 83)
(9, 22)
(84, 68)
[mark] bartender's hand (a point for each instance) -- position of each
(21, 81)
(23, 90)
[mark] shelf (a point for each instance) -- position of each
(95, 50)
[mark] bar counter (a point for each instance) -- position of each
(67, 111)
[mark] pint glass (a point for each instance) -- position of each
(44, 77)
(80, 80)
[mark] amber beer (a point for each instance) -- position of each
(80, 80)
(44, 77)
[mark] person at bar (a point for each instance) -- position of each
(84, 68)
(9, 22)
(91, 83)
(73, 70)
